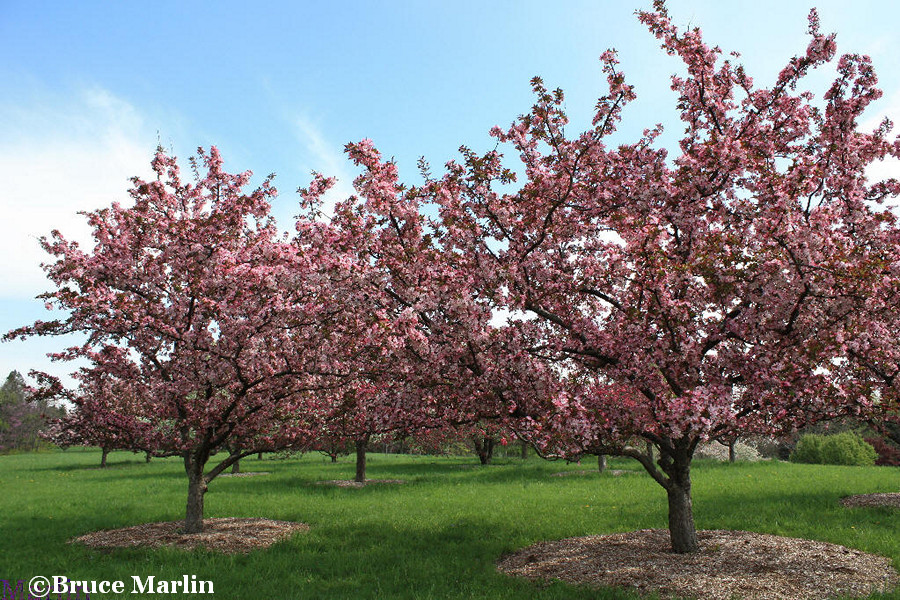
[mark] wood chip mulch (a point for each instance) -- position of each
(227, 535)
(247, 474)
(873, 500)
(349, 483)
(730, 564)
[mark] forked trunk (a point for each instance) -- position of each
(361, 445)
(484, 447)
(673, 472)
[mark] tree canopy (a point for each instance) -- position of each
(743, 282)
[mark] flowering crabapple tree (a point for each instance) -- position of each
(377, 396)
(686, 297)
(211, 326)
(484, 437)
(870, 346)
(99, 419)
(355, 415)
(376, 267)
(427, 354)
(331, 443)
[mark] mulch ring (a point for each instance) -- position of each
(247, 474)
(349, 483)
(730, 564)
(227, 535)
(873, 500)
(613, 472)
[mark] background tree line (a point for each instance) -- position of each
(23, 417)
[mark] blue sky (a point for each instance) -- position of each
(89, 88)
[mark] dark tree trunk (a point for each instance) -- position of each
(333, 457)
(524, 451)
(650, 451)
(236, 467)
(732, 455)
(361, 445)
(193, 519)
(601, 462)
(259, 456)
(147, 456)
(103, 457)
(484, 447)
(682, 531)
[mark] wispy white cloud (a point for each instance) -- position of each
(326, 158)
(55, 160)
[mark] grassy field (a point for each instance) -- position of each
(437, 536)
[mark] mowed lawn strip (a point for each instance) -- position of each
(436, 536)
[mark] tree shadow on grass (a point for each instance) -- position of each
(335, 559)
(110, 464)
(508, 470)
(456, 560)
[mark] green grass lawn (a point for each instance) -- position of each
(437, 536)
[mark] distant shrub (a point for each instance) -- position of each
(845, 448)
(808, 449)
(848, 449)
(888, 454)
